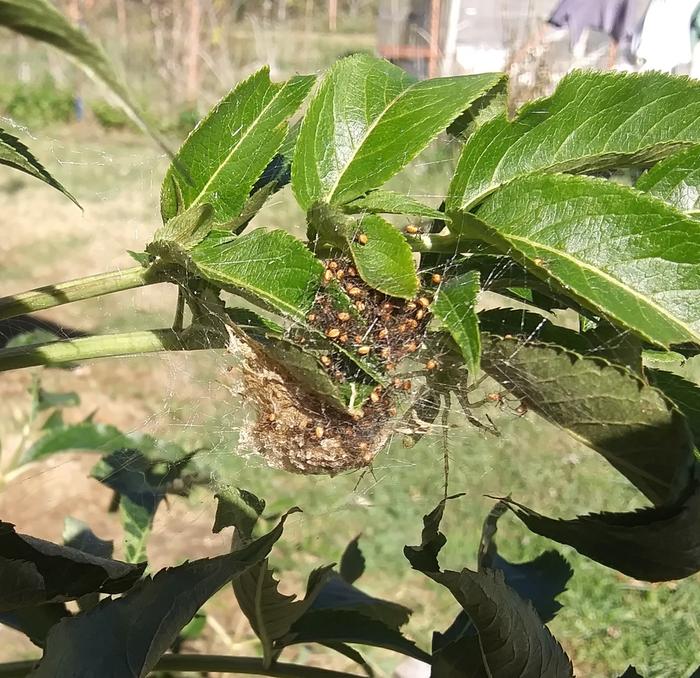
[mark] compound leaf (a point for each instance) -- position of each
(34, 571)
(15, 154)
(675, 180)
(368, 120)
(227, 152)
(605, 406)
(39, 19)
(593, 121)
(619, 252)
(455, 306)
(102, 642)
(652, 544)
(272, 267)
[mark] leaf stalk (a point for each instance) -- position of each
(207, 663)
(88, 287)
(108, 346)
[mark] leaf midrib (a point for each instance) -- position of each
(598, 271)
(330, 194)
(244, 136)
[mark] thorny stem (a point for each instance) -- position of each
(109, 345)
(207, 663)
(82, 288)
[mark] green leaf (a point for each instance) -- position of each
(386, 261)
(35, 622)
(387, 202)
(271, 267)
(604, 406)
(675, 180)
(352, 562)
(102, 642)
(34, 571)
(237, 508)
(513, 642)
(15, 154)
(618, 252)
(227, 152)
(455, 306)
(352, 654)
(47, 400)
(593, 121)
(188, 228)
(92, 437)
(652, 544)
(368, 120)
(683, 393)
(40, 20)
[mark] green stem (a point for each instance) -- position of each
(106, 346)
(207, 663)
(76, 290)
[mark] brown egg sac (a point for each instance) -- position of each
(295, 429)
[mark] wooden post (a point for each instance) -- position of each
(332, 15)
(434, 58)
(192, 83)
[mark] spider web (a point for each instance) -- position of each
(185, 398)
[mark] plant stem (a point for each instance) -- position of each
(207, 663)
(108, 345)
(76, 290)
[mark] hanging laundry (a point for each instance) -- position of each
(665, 39)
(616, 18)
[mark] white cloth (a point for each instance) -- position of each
(664, 42)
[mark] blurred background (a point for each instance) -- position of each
(179, 57)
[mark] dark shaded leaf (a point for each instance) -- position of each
(606, 407)
(35, 622)
(631, 673)
(513, 641)
(77, 535)
(350, 626)
(271, 614)
(141, 488)
(352, 654)
(102, 642)
(352, 562)
(425, 557)
(337, 594)
(538, 581)
(652, 544)
(15, 154)
(685, 394)
(34, 571)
